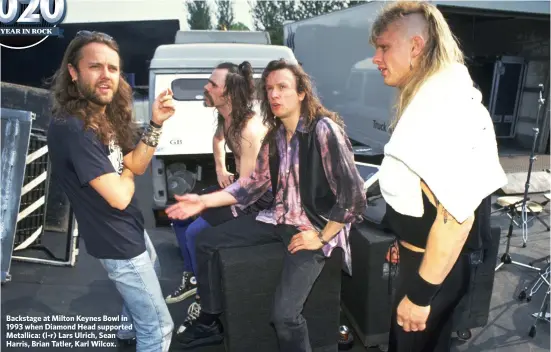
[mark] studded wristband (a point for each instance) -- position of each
(151, 135)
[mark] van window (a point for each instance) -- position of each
(187, 89)
(190, 89)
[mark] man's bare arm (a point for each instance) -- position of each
(163, 108)
(218, 199)
(446, 240)
(116, 190)
(138, 160)
(251, 142)
(218, 150)
(331, 229)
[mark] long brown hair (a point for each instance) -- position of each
(311, 108)
(441, 48)
(67, 100)
(240, 91)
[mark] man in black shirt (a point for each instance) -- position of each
(94, 158)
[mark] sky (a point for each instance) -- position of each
(83, 11)
(242, 13)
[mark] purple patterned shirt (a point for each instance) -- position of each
(340, 170)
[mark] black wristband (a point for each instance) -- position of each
(154, 124)
(421, 292)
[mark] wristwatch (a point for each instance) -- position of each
(321, 238)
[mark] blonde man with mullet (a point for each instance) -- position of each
(440, 163)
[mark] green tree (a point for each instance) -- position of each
(308, 8)
(224, 13)
(290, 10)
(198, 15)
(270, 15)
(356, 2)
(239, 27)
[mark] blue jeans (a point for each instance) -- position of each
(186, 235)
(144, 312)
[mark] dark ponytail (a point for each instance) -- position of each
(246, 70)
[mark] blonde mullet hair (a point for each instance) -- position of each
(441, 47)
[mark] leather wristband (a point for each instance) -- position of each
(151, 135)
(421, 292)
(154, 124)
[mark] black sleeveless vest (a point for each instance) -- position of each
(315, 194)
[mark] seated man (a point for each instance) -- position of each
(307, 159)
(230, 90)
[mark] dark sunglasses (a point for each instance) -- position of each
(89, 34)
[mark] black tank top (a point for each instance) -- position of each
(409, 228)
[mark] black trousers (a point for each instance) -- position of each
(300, 271)
(437, 335)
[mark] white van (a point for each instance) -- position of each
(183, 161)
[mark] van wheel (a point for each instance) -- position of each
(464, 334)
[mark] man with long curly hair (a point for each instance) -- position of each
(94, 159)
(231, 91)
(307, 160)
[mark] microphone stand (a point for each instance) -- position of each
(536, 129)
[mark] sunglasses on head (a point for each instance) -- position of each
(89, 34)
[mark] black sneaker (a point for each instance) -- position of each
(193, 312)
(198, 334)
(187, 289)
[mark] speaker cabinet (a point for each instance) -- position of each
(250, 276)
(366, 295)
(473, 310)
